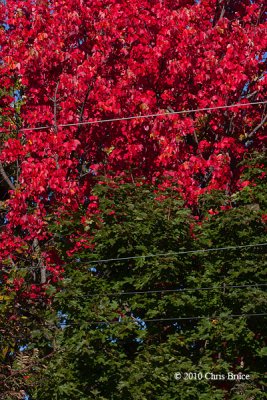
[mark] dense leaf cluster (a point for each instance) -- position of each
(108, 348)
(72, 193)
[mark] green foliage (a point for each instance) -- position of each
(108, 349)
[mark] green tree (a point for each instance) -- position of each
(120, 341)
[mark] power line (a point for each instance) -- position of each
(156, 255)
(134, 292)
(140, 321)
(174, 253)
(140, 116)
(179, 290)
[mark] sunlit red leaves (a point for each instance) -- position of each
(93, 60)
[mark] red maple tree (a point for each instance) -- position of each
(69, 62)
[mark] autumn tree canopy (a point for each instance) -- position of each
(74, 72)
(74, 61)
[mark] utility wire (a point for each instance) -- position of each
(134, 292)
(140, 116)
(180, 290)
(157, 255)
(140, 321)
(174, 253)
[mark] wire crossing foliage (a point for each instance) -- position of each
(82, 190)
(127, 337)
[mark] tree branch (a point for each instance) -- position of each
(83, 107)
(41, 265)
(55, 108)
(54, 99)
(260, 125)
(6, 178)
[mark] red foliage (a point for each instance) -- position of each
(76, 61)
